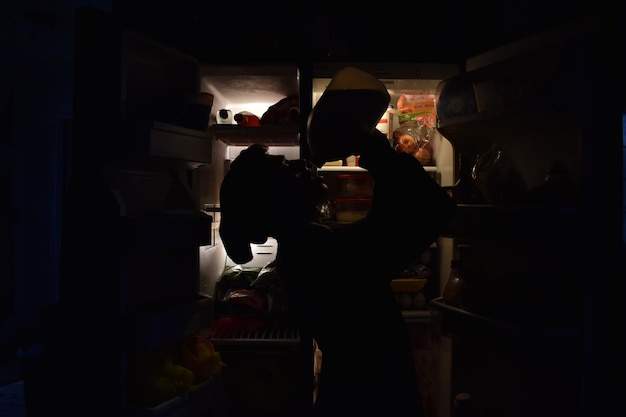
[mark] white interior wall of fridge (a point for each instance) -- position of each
(207, 180)
(251, 88)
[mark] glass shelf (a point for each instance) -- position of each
(493, 334)
(236, 135)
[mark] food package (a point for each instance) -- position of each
(417, 108)
(245, 118)
(413, 138)
(242, 302)
(284, 112)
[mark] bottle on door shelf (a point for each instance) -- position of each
(453, 290)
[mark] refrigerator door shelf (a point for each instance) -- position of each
(460, 323)
(199, 402)
(154, 138)
(531, 220)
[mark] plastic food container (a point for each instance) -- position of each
(349, 210)
(355, 185)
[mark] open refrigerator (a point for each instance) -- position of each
(415, 80)
(148, 157)
(145, 191)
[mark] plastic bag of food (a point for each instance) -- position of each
(417, 108)
(243, 302)
(267, 276)
(280, 310)
(413, 138)
(284, 112)
(237, 276)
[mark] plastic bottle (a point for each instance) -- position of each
(224, 117)
(453, 290)
(386, 123)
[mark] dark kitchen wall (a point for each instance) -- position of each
(36, 105)
(432, 31)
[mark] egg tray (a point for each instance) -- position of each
(409, 293)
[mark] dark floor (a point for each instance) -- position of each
(11, 390)
(10, 371)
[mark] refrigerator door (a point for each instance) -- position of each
(531, 319)
(132, 226)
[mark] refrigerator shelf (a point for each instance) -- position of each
(266, 336)
(357, 169)
(246, 135)
(493, 334)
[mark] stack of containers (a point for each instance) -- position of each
(354, 196)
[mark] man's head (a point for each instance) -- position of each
(349, 109)
(261, 195)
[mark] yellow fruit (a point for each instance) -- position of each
(181, 377)
(198, 355)
(211, 366)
